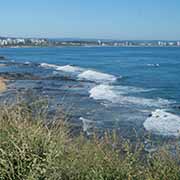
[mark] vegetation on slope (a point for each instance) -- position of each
(33, 150)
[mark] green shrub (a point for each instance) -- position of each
(33, 150)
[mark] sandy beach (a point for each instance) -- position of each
(2, 84)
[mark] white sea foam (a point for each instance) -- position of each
(27, 63)
(92, 75)
(46, 65)
(66, 68)
(153, 65)
(119, 95)
(69, 68)
(83, 74)
(131, 89)
(104, 92)
(87, 125)
(163, 123)
(146, 102)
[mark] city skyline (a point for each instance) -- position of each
(35, 42)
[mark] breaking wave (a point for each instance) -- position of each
(91, 75)
(118, 95)
(83, 74)
(163, 123)
(46, 65)
(105, 90)
(66, 68)
(69, 68)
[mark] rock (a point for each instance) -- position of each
(150, 115)
(2, 65)
(18, 76)
(62, 78)
(176, 107)
(2, 58)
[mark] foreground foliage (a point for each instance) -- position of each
(31, 150)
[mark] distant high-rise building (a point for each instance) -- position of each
(159, 43)
(99, 42)
(171, 43)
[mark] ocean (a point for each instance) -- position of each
(125, 89)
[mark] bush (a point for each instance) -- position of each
(33, 150)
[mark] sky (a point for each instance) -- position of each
(103, 19)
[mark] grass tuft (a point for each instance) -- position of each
(33, 150)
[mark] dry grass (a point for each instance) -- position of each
(31, 150)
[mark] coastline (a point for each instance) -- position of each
(135, 46)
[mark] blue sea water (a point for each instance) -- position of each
(119, 88)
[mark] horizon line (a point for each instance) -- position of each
(81, 38)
